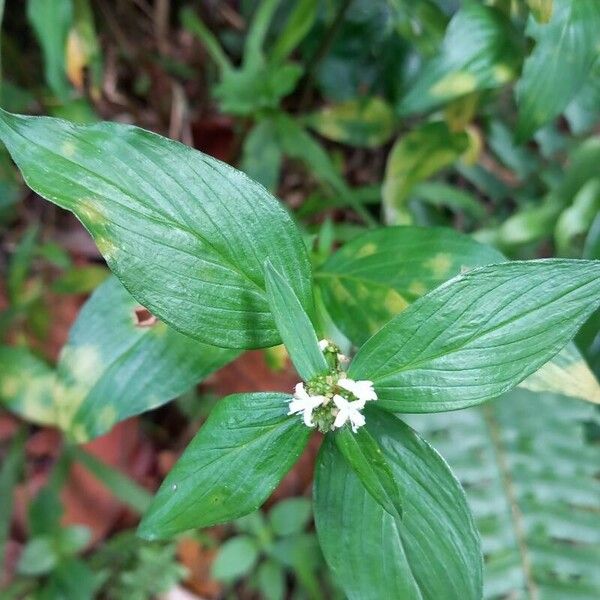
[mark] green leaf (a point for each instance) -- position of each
(26, 385)
(298, 24)
(478, 53)
(529, 470)
(557, 68)
(230, 468)
(124, 488)
(261, 158)
(295, 327)
(70, 540)
(378, 274)
(432, 553)
(290, 516)
(367, 461)
(478, 335)
(576, 220)
(119, 362)
(51, 20)
(415, 157)
(39, 556)
(186, 234)
(363, 122)
(236, 558)
(271, 581)
(80, 280)
(10, 471)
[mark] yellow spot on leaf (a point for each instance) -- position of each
(366, 250)
(455, 84)
(417, 288)
(439, 265)
(394, 302)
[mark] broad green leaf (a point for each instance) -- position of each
(26, 385)
(415, 157)
(119, 362)
(295, 327)
(565, 51)
(583, 112)
(367, 122)
(235, 558)
(39, 556)
(478, 335)
(261, 157)
(290, 516)
(271, 580)
(230, 468)
(432, 553)
(51, 20)
(478, 53)
(369, 464)
(185, 233)
(530, 473)
(378, 274)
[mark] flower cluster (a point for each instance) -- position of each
(331, 400)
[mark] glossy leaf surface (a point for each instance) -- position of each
(432, 553)
(295, 327)
(231, 467)
(479, 334)
(186, 234)
(379, 273)
(367, 461)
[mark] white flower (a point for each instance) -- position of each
(305, 404)
(363, 390)
(323, 345)
(348, 411)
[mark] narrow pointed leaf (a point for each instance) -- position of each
(230, 468)
(367, 461)
(432, 553)
(478, 335)
(295, 327)
(186, 234)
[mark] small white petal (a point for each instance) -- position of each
(323, 345)
(363, 389)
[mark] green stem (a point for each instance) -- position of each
(191, 22)
(119, 484)
(320, 53)
(9, 474)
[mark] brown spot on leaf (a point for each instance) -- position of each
(143, 317)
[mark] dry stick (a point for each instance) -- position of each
(319, 54)
(517, 517)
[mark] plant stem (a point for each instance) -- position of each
(319, 54)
